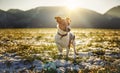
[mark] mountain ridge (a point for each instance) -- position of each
(40, 17)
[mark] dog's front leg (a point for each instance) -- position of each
(60, 50)
(67, 52)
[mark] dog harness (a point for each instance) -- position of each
(62, 33)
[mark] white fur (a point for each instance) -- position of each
(64, 42)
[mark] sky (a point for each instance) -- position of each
(100, 6)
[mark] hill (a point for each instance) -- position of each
(114, 17)
(44, 17)
(114, 12)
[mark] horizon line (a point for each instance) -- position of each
(59, 6)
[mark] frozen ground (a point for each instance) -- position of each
(34, 51)
(10, 62)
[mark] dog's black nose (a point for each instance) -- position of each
(69, 29)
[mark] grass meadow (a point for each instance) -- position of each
(103, 45)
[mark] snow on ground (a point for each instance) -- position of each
(12, 63)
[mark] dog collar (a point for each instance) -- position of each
(61, 31)
(62, 35)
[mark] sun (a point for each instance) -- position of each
(71, 7)
(71, 4)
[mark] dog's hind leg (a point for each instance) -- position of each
(73, 43)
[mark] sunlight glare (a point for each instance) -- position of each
(71, 4)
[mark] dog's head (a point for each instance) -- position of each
(63, 23)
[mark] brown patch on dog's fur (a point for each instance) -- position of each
(68, 20)
(63, 22)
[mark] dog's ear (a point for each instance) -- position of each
(58, 19)
(68, 20)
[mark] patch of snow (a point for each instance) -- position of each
(85, 54)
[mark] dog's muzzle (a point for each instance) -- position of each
(68, 29)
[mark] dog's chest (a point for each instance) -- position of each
(62, 41)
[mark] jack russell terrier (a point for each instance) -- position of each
(64, 38)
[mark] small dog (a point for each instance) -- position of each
(64, 38)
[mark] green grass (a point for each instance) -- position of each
(28, 42)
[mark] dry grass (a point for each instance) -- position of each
(39, 44)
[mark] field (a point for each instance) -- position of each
(34, 51)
